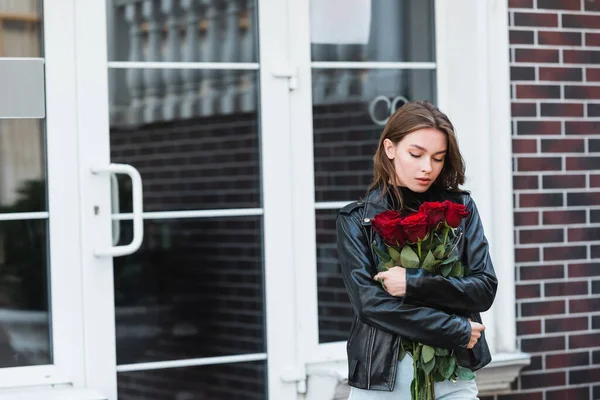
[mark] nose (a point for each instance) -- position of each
(426, 165)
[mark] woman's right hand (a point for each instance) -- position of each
(476, 329)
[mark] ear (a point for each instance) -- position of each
(390, 149)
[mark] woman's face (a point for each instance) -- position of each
(418, 158)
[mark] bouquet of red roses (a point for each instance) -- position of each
(425, 239)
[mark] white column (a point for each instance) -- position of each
(173, 53)
(152, 76)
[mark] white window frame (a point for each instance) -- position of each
(473, 89)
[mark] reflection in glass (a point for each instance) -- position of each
(22, 166)
(208, 159)
(195, 289)
(335, 312)
(372, 30)
(350, 108)
(190, 31)
(24, 309)
(21, 28)
(240, 381)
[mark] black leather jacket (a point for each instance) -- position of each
(434, 310)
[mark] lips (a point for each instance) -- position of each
(423, 180)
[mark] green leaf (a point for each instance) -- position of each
(401, 353)
(437, 376)
(390, 264)
(385, 257)
(427, 353)
(449, 260)
(446, 366)
(457, 270)
(428, 262)
(439, 252)
(446, 269)
(428, 367)
(464, 374)
(441, 351)
(394, 253)
(382, 266)
(408, 258)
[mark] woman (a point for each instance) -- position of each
(417, 160)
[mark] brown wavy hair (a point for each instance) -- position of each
(411, 117)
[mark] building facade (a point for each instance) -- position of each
(171, 171)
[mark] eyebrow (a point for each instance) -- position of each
(424, 149)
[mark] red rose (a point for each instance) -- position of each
(455, 212)
(435, 211)
(387, 224)
(416, 226)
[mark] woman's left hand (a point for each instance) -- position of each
(394, 280)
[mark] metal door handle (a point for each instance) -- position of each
(138, 208)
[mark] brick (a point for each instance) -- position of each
(569, 394)
(543, 308)
(582, 127)
(541, 272)
(596, 322)
(543, 380)
(583, 199)
(563, 181)
(520, 3)
(582, 92)
(592, 74)
(592, 39)
(529, 327)
(527, 291)
(529, 236)
(595, 287)
(594, 180)
(593, 110)
(581, 56)
(584, 305)
(535, 364)
(539, 164)
(527, 254)
(591, 5)
(537, 55)
(583, 234)
(522, 74)
(594, 216)
(535, 19)
(522, 218)
(580, 376)
(525, 109)
(595, 251)
(567, 360)
(554, 38)
(561, 110)
(559, 4)
(520, 37)
(521, 182)
(563, 145)
(564, 253)
(539, 128)
(540, 200)
(566, 324)
(581, 21)
(521, 396)
(543, 344)
(583, 270)
(565, 289)
(538, 92)
(594, 146)
(560, 74)
(524, 146)
(564, 217)
(582, 163)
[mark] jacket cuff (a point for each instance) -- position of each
(414, 280)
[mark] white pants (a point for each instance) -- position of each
(447, 390)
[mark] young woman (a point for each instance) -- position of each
(417, 160)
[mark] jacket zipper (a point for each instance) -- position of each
(371, 345)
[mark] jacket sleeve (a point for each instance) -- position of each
(375, 307)
(472, 293)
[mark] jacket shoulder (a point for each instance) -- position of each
(352, 207)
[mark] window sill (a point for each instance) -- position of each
(330, 377)
(51, 394)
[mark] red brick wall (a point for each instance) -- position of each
(555, 86)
